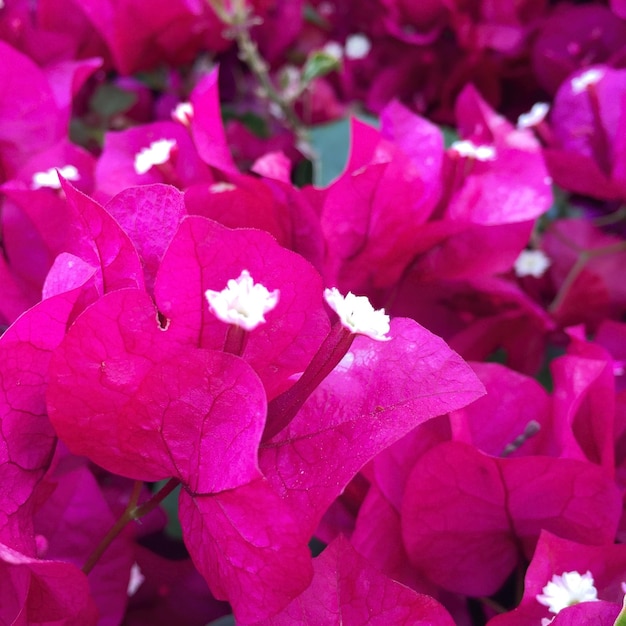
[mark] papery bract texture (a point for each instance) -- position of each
(135, 210)
(208, 256)
(249, 546)
(126, 395)
(72, 522)
(43, 592)
(555, 555)
(377, 393)
(492, 508)
(27, 438)
(346, 589)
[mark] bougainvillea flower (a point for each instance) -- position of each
(139, 38)
(27, 438)
(587, 290)
(371, 215)
(157, 601)
(553, 558)
(493, 508)
(574, 38)
(145, 411)
(250, 547)
(36, 108)
(494, 422)
(346, 589)
(161, 152)
(589, 154)
(35, 591)
(71, 522)
(134, 210)
(208, 256)
(380, 391)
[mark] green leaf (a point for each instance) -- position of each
(319, 63)
(227, 620)
(109, 100)
(449, 135)
(331, 144)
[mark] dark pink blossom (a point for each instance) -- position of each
(379, 392)
(35, 591)
(555, 555)
(346, 589)
(493, 510)
(208, 255)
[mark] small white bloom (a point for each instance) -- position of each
(590, 77)
(222, 187)
(535, 116)
(357, 46)
(157, 153)
(242, 302)
(136, 580)
(568, 589)
(358, 315)
(183, 113)
(467, 148)
(333, 49)
(531, 263)
(50, 179)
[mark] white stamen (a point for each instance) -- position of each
(183, 113)
(333, 49)
(531, 263)
(568, 589)
(50, 179)
(136, 580)
(357, 314)
(467, 148)
(357, 46)
(590, 77)
(242, 303)
(221, 187)
(157, 153)
(535, 116)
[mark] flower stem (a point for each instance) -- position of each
(132, 512)
(283, 409)
(240, 20)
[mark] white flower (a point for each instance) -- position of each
(357, 46)
(358, 315)
(183, 113)
(50, 179)
(242, 303)
(334, 50)
(531, 263)
(136, 580)
(535, 116)
(590, 77)
(469, 149)
(157, 153)
(568, 589)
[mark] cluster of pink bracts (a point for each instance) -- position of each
(175, 310)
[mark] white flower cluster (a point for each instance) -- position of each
(157, 153)
(358, 315)
(568, 589)
(242, 303)
(50, 179)
(531, 263)
(467, 148)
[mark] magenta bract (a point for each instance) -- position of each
(346, 589)
(492, 508)
(125, 394)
